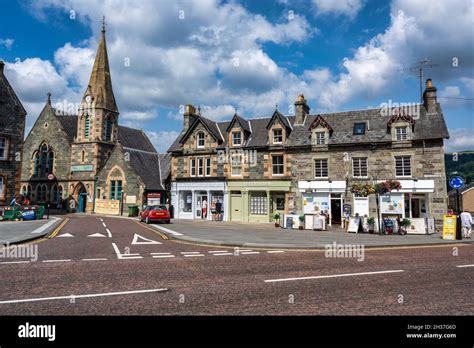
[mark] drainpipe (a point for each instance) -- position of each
(93, 194)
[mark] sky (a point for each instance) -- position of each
(242, 56)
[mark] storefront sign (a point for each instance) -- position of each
(82, 168)
(392, 203)
(130, 199)
(354, 225)
(449, 227)
(361, 206)
(347, 208)
(103, 206)
(417, 226)
(153, 199)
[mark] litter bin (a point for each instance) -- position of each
(132, 210)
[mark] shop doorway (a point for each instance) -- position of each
(202, 206)
(81, 199)
(277, 204)
(336, 211)
(236, 206)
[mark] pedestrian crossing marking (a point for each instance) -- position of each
(66, 235)
(143, 240)
(96, 235)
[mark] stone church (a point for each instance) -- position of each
(88, 162)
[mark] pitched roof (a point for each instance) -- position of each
(281, 118)
(100, 82)
(243, 123)
(428, 126)
(147, 166)
(210, 125)
(462, 190)
(8, 98)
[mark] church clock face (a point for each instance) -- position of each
(88, 99)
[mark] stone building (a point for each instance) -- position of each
(307, 163)
(12, 131)
(466, 199)
(89, 160)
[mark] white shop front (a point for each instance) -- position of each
(199, 200)
(323, 196)
(411, 202)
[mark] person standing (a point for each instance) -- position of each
(204, 209)
(466, 224)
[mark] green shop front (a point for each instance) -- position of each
(258, 201)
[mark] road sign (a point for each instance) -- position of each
(456, 182)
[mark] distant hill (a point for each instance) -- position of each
(464, 165)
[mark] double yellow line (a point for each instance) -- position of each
(51, 235)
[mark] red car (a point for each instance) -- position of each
(155, 213)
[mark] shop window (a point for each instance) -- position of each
(403, 166)
(359, 167)
(236, 138)
(115, 190)
(186, 201)
(278, 167)
(277, 136)
(321, 168)
(3, 148)
(258, 203)
(200, 140)
(401, 133)
(2, 188)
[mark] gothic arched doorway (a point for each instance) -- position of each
(81, 195)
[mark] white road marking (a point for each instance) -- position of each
(166, 230)
(121, 256)
(84, 296)
(108, 233)
(162, 256)
(101, 219)
(218, 251)
(160, 253)
(143, 240)
(461, 266)
(65, 235)
(190, 252)
(45, 226)
(250, 252)
(96, 235)
(56, 260)
(222, 254)
(103, 223)
(12, 262)
(98, 259)
(332, 276)
(275, 251)
(192, 255)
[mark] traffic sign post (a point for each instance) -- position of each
(457, 182)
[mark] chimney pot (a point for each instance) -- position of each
(429, 97)
(301, 110)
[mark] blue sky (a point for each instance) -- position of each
(242, 55)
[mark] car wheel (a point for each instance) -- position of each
(168, 221)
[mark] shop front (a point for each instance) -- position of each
(199, 200)
(258, 201)
(323, 198)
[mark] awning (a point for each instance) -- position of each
(322, 186)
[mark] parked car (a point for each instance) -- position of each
(155, 213)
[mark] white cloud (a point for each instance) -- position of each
(162, 140)
(460, 139)
(348, 8)
(7, 43)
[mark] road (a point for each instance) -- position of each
(113, 266)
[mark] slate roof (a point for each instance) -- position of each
(427, 126)
(7, 96)
(462, 190)
(144, 159)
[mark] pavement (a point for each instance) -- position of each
(12, 232)
(258, 235)
(108, 266)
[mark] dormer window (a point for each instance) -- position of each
(402, 133)
(359, 128)
(278, 136)
(320, 138)
(200, 140)
(236, 138)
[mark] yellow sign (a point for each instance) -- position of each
(104, 206)
(449, 227)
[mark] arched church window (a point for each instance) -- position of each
(87, 125)
(43, 161)
(108, 129)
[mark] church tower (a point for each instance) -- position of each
(97, 126)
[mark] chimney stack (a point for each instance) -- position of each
(189, 116)
(429, 97)
(2, 65)
(301, 110)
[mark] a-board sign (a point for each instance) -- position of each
(449, 227)
(354, 225)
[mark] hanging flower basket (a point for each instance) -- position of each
(388, 186)
(363, 190)
(366, 189)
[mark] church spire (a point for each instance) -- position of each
(100, 83)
